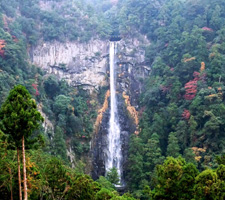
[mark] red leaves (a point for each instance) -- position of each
(191, 90)
(207, 29)
(35, 87)
(191, 87)
(2, 45)
(196, 76)
(186, 114)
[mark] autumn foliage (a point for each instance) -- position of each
(186, 114)
(188, 59)
(191, 87)
(102, 111)
(191, 90)
(35, 87)
(207, 29)
(202, 69)
(131, 109)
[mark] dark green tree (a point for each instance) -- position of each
(153, 155)
(173, 148)
(135, 172)
(59, 144)
(112, 176)
(19, 118)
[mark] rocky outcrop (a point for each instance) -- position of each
(47, 124)
(86, 64)
(77, 63)
(99, 149)
(131, 69)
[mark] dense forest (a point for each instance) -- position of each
(179, 152)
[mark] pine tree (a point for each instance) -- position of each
(20, 117)
(153, 155)
(135, 163)
(173, 148)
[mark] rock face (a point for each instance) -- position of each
(99, 149)
(87, 65)
(131, 69)
(77, 63)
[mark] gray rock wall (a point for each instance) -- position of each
(87, 65)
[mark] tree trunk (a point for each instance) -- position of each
(24, 170)
(19, 176)
(10, 173)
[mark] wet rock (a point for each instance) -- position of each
(99, 149)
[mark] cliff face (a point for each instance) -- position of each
(77, 63)
(87, 65)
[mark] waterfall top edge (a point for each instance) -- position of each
(115, 38)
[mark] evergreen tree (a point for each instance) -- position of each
(19, 118)
(173, 148)
(153, 155)
(135, 163)
(112, 176)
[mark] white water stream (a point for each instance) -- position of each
(114, 156)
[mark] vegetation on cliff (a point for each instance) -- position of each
(183, 99)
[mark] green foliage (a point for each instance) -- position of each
(59, 145)
(61, 104)
(105, 183)
(175, 180)
(173, 147)
(187, 45)
(73, 20)
(19, 115)
(209, 185)
(112, 176)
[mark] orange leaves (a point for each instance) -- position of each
(35, 87)
(202, 67)
(191, 90)
(214, 96)
(33, 180)
(197, 151)
(191, 86)
(131, 110)
(101, 111)
(188, 59)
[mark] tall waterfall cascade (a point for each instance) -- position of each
(114, 153)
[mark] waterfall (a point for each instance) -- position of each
(114, 156)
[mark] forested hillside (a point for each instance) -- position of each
(22, 24)
(183, 99)
(179, 151)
